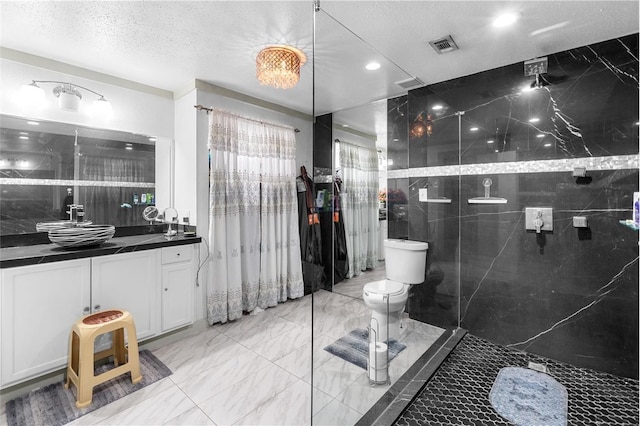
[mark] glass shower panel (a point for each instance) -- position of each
(434, 206)
(361, 348)
(397, 163)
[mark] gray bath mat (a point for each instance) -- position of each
(54, 405)
(354, 347)
(528, 397)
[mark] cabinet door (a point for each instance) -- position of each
(129, 281)
(177, 295)
(39, 305)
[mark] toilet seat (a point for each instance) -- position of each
(384, 288)
(386, 299)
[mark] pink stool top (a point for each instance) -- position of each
(102, 317)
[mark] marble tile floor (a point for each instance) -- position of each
(257, 371)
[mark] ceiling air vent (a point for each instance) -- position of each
(444, 44)
(410, 83)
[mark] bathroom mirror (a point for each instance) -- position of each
(44, 166)
(360, 133)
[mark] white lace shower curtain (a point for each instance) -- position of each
(360, 205)
(253, 222)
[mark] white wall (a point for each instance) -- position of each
(133, 111)
(187, 159)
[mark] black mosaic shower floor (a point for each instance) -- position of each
(458, 392)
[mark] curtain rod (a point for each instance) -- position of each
(359, 145)
(208, 110)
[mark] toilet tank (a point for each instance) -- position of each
(405, 260)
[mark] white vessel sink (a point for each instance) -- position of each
(81, 236)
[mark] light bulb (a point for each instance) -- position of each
(102, 107)
(32, 95)
(68, 101)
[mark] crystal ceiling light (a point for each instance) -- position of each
(279, 66)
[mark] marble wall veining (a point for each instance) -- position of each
(570, 294)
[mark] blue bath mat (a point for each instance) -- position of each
(354, 347)
(528, 397)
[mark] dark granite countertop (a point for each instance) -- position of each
(45, 253)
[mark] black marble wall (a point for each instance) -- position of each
(397, 159)
(571, 293)
(323, 179)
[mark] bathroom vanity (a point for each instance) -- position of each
(45, 289)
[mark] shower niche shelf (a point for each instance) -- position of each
(423, 197)
(487, 199)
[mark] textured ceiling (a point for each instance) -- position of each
(168, 44)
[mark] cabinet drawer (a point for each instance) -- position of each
(176, 254)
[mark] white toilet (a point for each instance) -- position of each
(405, 264)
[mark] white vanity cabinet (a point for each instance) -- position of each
(128, 281)
(39, 303)
(178, 280)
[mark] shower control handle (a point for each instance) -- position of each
(538, 222)
(539, 219)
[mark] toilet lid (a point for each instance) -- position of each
(384, 287)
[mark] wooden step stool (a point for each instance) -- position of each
(80, 367)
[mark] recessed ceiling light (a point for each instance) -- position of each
(505, 20)
(396, 140)
(390, 162)
(497, 150)
(534, 120)
(345, 125)
(24, 137)
(547, 144)
(473, 129)
(372, 66)
(540, 135)
(33, 123)
(490, 141)
(24, 133)
(436, 107)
